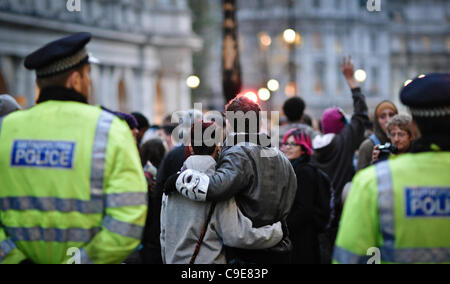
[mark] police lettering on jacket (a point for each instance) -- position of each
(427, 202)
(43, 154)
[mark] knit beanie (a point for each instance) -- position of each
(333, 121)
(128, 118)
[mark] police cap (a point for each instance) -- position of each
(428, 95)
(59, 56)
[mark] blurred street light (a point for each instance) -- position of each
(291, 89)
(360, 75)
(289, 36)
(265, 40)
(252, 96)
(264, 94)
(273, 85)
(193, 82)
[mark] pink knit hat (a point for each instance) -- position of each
(301, 138)
(333, 121)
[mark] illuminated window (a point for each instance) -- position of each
(159, 108)
(317, 38)
(319, 73)
(338, 46)
(374, 79)
(340, 79)
(402, 43)
(123, 104)
(426, 43)
(3, 89)
(398, 18)
(373, 41)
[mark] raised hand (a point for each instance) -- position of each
(348, 69)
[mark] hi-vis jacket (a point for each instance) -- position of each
(398, 211)
(70, 181)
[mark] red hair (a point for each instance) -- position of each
(301, 138)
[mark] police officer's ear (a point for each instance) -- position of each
(75, 81)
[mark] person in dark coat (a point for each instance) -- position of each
(311, 211)
(334, 151)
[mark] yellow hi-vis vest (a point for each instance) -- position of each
(72, 187)
(398, 211)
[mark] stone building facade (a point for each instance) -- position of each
(420, 44)
(144, 46)
(403, 40)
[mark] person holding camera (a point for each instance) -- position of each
(400, 132)
(383, 113)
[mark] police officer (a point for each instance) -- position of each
(72, 188)
(399, 210)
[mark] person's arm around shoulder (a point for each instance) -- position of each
(231, 175)
(237, 231)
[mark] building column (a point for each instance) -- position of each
(184, 93)
(170, 92)
(96, 78)
(148, 95)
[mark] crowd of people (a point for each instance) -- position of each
(72, 176)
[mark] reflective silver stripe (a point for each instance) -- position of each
(416, 255)
(51, 204)
(99, 153)
(386, 204)
(344, 256)
(52, 234)
(123, 228)
(84, 257)
(73, 205)
(126, 199)
(5, 248)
